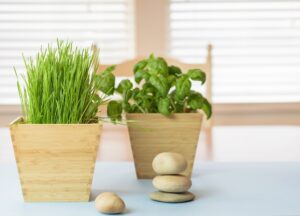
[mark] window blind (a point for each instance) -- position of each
(256, 46)
(26, 25)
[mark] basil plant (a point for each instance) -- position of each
(160, 89)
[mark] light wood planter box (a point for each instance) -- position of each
(55, 161)
(153, 133)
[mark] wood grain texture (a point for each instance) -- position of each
(153, 133)
(55, 161)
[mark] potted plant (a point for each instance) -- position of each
(56, 140)
(163, 112)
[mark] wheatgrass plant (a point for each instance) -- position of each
(60, 86)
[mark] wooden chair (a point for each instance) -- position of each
(125, 69)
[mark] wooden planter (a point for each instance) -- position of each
(152, 133)
(55, 161)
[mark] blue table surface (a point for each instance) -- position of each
(271, 188)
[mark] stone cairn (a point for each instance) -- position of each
(172, 187)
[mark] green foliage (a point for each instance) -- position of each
(161, 89)
(197, 74)
(164, 105)
(160, 83)
(183, 87)
(61, 86)
(105, 81)
(195, 100)
(124, 86)
(114, 108)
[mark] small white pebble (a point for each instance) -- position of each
(109, 203)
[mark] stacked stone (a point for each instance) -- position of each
(172, 187)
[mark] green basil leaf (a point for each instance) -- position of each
(179, 107)
(124, 86)
(162, 66)
(207, 108)
(197, 74)
(105, 82)
(147, 88)
(178, 104)
(139, 70)
(160, 83)
(127, 95)
(114, 110)
(126, 107)
(146, 76)
(183, 87)
(140, 65)
(171, 80)
(136, 93)
(195, 100)
(174, 70)
(164, 106)
(157, 66)
(109, 69)
(138, 76)
(146, 104)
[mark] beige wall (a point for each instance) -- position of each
(8, 113)
(150, 25)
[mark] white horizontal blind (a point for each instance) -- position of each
(256, 46)
(26, 25)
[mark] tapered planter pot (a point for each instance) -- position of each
(153, 133)
(55, 161)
